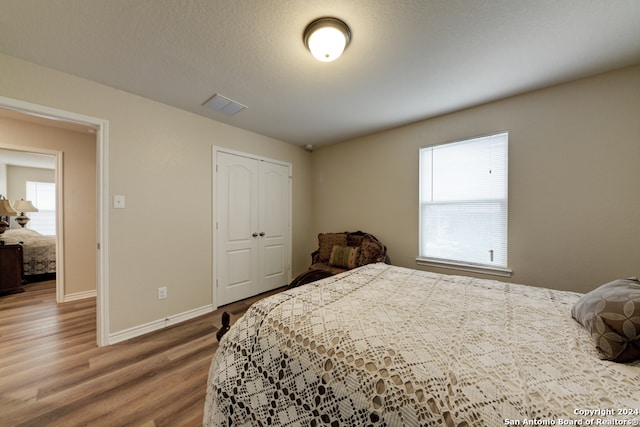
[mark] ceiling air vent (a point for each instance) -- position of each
(221, 103)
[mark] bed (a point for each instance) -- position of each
(39, 252)
(382, 345)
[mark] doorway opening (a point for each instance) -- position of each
(22, 166)
(99, 127)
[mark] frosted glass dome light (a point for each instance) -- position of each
(327, 38)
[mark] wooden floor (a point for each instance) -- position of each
(52, 373)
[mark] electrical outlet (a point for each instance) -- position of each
(162, 292)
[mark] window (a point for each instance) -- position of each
(43, 197)
(463, 204)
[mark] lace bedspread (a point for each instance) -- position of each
(389, 346)
(39, 252)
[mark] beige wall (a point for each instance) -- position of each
(3, 179)
(17, 177)
(160, 159)
(574, 151)
(79, 194)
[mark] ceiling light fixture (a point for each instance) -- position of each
(326, 38)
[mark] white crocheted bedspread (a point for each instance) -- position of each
(389, 346)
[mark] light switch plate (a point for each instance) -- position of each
(118, 202)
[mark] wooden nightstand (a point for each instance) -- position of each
(11, 269)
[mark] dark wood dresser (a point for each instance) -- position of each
(11, 269)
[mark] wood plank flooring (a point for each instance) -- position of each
(52, 373)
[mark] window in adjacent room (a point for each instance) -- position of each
(43, 197)
(463, 204)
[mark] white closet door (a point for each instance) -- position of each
(274, 224)
(253, 226)
(237, 221)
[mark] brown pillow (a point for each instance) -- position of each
(344, 256)
(354, 240)
(326, 242)
(611, 313)
(372, 251)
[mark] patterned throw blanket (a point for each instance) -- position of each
(389, 346)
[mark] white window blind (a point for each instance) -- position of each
(43, 197)
(463, 201)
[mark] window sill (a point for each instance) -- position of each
(460, 266)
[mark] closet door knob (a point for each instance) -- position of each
(255, 234)
(262, 234)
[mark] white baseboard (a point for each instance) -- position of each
(136, 331)
(79, 295)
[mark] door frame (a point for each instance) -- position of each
(57, 155)
(215, 215)
(102, 141)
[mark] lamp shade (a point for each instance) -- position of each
(6, 209)
(327, 38)
(23, 205)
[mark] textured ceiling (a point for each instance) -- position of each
(408, 60)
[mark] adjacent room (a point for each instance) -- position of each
(434, 223)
